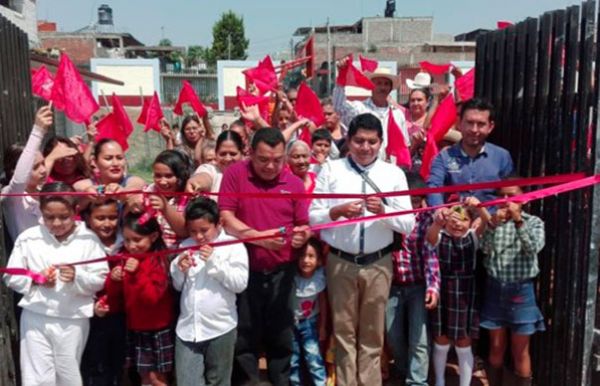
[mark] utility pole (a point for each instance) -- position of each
(229, 46)
(329, 59)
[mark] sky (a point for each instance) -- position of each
(270, 24)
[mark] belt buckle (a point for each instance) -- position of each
(357, 259)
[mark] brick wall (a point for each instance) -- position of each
(80, 49)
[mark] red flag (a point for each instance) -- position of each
(42, 82)
(109, 127)
(151, 114)
(368, 65)
(305, 135)
(308, 105)
(351, 76)
(435, 69)
(465, 85)
(442, 120)
(263, 76)
(188, 95)
(71, 94)
(121, 115)
(501, 24)
(396, 146)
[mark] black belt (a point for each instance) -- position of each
(364, 259)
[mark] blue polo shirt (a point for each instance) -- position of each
(453, 166)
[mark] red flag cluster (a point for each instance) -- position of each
(396, 145)
(67, 90)
(352, 76)
(263, 76)
(188, 95)
(116, 125)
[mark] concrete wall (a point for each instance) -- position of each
(23, 13)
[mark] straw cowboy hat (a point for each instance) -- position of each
(380, 73)
(421, 80)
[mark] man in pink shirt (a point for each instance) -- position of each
(264, 311)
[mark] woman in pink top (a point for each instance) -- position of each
(298, 157)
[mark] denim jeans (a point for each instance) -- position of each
(306, 349)
(408, 303)
(205, 363)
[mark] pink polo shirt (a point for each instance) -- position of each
(262, 214)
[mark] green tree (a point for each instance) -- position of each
(229, 40)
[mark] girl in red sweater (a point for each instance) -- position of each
(148, 301)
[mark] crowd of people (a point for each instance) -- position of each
(322, 307)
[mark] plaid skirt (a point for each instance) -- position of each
(151, 351)
(456, 315)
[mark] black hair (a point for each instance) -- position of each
(425, 90)
(478, 104)
(366, 121)
(98, 146)
(81, 165)
(87, 213)
(268, 135)
(178, 164)
(317, 245)
(237, 122)
(202, 207)
(58, 188)
(512, 177)
(321, 134)
(10, 159)
(415, 181)
(232, 136)
(146, 228)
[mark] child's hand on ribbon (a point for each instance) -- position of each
(66, 273)
(50, 275)
(514, 211)
(116, 274)
(440, 217)
(157, 202)
(205, 252)
(131, 265)
(185, 261)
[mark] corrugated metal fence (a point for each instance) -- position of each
(541, 75)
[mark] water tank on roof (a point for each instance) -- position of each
(105, 16)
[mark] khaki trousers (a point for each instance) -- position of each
(358, 297)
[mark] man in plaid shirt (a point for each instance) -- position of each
(511, 242)
(415, 289)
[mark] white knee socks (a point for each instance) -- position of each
(440, 356)
(465, 364)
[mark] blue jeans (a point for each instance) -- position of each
(306, 349)
(205, 363)
(408, 302)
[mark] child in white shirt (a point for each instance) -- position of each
(55, 320)
(209, 280)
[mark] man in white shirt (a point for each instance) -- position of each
(359, 265)
(378, 104)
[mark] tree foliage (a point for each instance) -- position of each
(229, 30)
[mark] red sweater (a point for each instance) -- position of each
(147, 295)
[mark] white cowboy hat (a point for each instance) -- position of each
(422, 80)
(380, 73)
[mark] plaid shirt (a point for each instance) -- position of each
(417, 262)
(511, 251)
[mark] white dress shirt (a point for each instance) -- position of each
(339, 177)
(37, 249)
(350, 109)
(208, 301)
